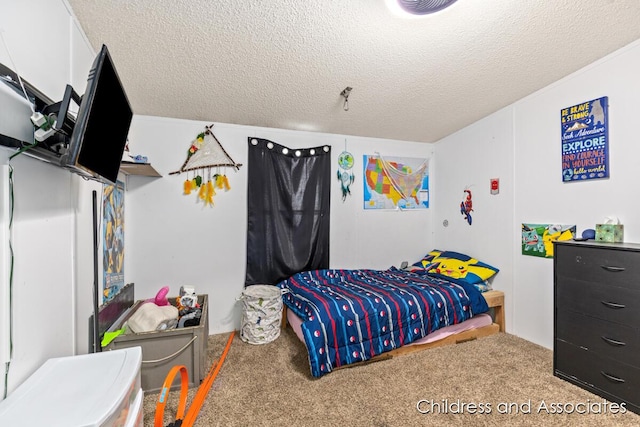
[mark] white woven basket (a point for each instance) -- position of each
(261, 313)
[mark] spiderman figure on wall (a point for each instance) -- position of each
(466, 206)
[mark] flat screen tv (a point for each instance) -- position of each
(99, 135)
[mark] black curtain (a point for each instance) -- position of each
(288, 210)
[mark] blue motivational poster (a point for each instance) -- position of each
(585, 141)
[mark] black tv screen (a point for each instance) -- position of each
(100, 132)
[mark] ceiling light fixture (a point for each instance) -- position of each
(419, 7)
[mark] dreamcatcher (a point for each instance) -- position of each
(205, 159)
(345, 175)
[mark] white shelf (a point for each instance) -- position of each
(142, 169)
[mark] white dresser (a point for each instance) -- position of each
(98, 389)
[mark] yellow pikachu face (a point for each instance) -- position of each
(458, 269)
(454, 267)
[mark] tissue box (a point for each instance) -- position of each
(609, 232)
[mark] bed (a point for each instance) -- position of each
(345, 317)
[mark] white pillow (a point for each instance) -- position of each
(149, 315)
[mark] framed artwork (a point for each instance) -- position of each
(537, 239)
(585, 141)
(112, 239)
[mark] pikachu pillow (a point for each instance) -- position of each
(456, 267)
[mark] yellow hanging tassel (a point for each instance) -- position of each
(210, 193)
(187, 187)
(202, 193)
(225, 182)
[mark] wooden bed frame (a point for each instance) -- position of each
(495, 300)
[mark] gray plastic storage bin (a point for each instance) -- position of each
(161, 350)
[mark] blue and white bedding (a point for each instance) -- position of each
(352, 315)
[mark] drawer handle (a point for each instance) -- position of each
(612, 268)
(613, 342)
(613, 304)
(612, 378)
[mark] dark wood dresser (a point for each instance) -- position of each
(597, 318)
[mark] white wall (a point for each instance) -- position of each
(542, 197)
(468, 159)
(38, 37)
(53, 278)
(529, 130)
(5, 258)
(172, 240)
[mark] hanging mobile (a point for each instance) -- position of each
(345, 175)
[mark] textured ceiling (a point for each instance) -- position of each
(283, 63)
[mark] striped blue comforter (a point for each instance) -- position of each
(352, 315)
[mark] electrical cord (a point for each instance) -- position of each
(11, 211)
(11, 205)
(22, 150)
(11, 264)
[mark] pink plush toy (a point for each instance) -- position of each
(161, 297)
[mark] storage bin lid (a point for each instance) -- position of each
(85, 390)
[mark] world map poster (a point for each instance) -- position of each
(395, 182)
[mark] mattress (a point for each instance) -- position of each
(353, 315)
(478, 321)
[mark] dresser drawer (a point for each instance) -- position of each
(593, 370)
(617, 342)
(619, 305)
(610, 266)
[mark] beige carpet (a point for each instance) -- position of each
(270, 385)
